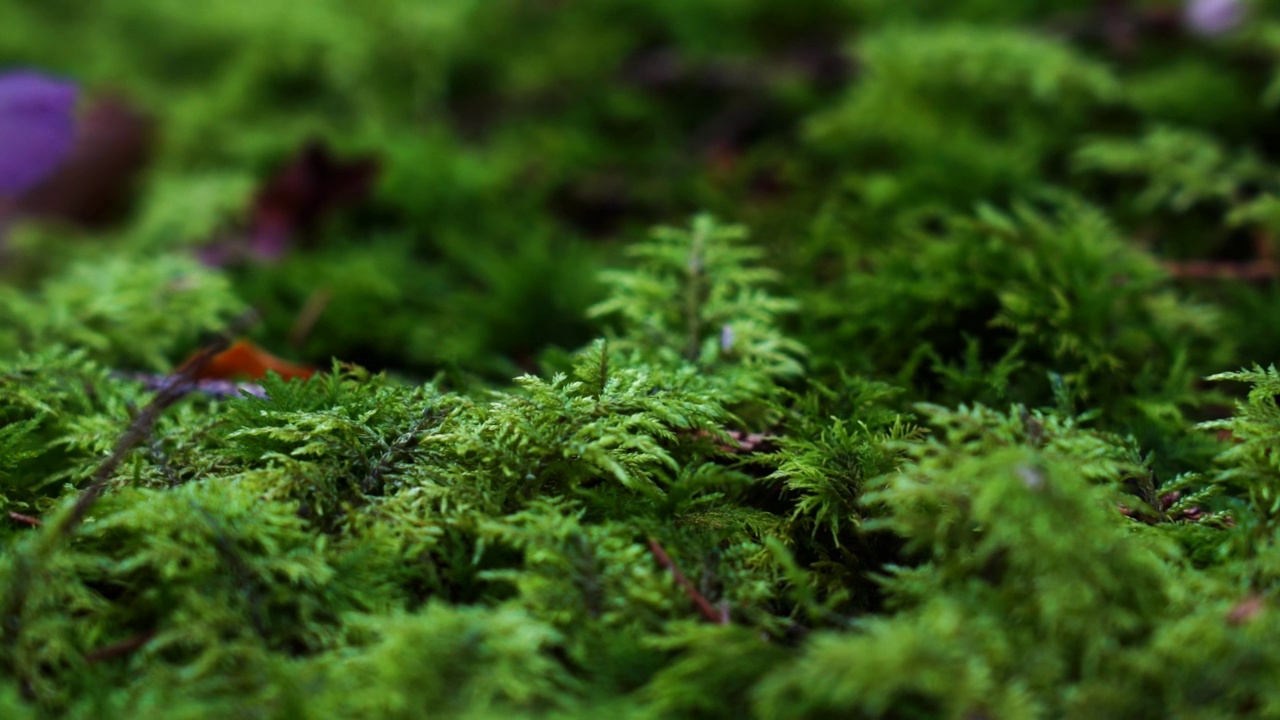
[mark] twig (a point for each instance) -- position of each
(308, 315)
(1211, 270)
(25, 519)
(124, 647)
(718, 616)
(177, 385)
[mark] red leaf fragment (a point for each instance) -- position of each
(246, 361)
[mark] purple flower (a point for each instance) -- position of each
(37, 128)
(1210, 18)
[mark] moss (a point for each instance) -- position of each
(687, 359)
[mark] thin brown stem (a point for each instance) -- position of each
(310, 313)
(25, 519)
(719, 616)
(174, 388)
(124, 647)
(1211, 270)
(27, 563)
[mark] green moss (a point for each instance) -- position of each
(915, 425)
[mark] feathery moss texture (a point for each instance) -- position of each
(677, 359)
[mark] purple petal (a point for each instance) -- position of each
(37, 128)
(1211, 18)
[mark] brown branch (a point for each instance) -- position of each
(308, 316)
(124, 647)
(710, 612)
(1212, 270)
(1263, 266)
(25, 563)
(25, 519)
(173, 389)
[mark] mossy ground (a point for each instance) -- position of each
(714, 358)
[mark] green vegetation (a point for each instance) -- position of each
(714, 358)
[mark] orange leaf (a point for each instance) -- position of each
(246, 361)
